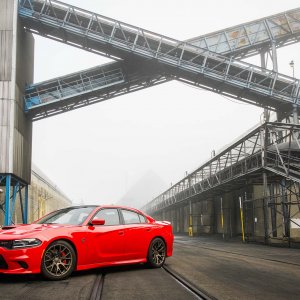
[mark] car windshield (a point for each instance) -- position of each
(67, 216)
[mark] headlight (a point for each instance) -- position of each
(25, 243)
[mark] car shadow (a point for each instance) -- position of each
(27, 278)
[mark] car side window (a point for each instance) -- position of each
(143, 219)
(130, 217)
(110, 215)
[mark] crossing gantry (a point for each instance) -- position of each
(144, 59)
(184, 61)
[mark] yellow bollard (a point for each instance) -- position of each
(242, 219)
(190, 231)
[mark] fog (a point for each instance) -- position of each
(99, 153)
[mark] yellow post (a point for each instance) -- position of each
(242, 219)
(222, 218)
(191, 226)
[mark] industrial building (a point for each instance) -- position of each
(250, 188)
(43, 197)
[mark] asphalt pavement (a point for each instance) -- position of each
(233, 270)
(220, 269)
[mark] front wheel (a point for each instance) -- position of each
(59, 261)
(157, 253)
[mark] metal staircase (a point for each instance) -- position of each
(181, 60)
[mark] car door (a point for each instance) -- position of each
(107, 241)
(137, 235)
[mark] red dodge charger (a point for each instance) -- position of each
(84, 237)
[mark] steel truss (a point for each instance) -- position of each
(87, 87)
(182, 60)
(14, 188)
(254, 37)
(271, 147)
(262, 35)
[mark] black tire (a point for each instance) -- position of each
(157, 253)
(59, 260)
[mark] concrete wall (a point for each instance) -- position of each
(16, 69)
(44, 197)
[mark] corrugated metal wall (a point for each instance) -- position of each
(16, 70)
(6, 105)
(6, 37)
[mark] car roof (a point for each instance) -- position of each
(104, 206)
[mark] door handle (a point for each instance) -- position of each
(148, 229)
(121, 232)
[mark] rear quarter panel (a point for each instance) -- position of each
(164, 230)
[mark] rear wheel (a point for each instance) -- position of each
(157, 253)
(59, 261)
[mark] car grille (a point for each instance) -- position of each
(3, 264)
(6, 244)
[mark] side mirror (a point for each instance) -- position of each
(97, 222)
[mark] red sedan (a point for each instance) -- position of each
(84, 237)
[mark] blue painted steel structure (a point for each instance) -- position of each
(14, 189)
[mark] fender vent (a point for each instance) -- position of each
(3, 264)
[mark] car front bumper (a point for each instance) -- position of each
(21, 261)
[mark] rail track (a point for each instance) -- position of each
(97, 289)
(187, 285)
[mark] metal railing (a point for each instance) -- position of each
(192, 64)
(253, 37)
(76, 84)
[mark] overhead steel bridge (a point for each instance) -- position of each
(255, 37)
(169, 58)
(86, 87)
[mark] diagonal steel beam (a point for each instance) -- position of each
(167, 51)
(253, 37)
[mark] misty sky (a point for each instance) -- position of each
(95, 154)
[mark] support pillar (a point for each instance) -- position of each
(7, 216)
(190, 218)
(295, 114)
(263, 139)
(285, 210)
(16, 70)
(273, 211)
(16, 191)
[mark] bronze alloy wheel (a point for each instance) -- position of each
(59, 260)
(157, 253)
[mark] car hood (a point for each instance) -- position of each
(26, 229)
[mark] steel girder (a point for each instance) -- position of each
(273, 147)
(14, 188)
(182, 60)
